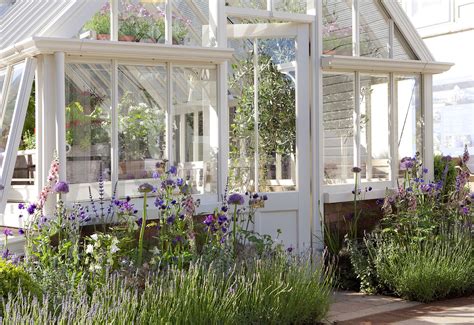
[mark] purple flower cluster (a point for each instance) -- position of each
(236, 199)
(407, 163)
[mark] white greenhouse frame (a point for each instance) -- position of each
(46, 38)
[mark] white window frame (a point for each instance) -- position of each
(14, 136)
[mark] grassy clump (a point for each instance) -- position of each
(435, 268)
(263, 291)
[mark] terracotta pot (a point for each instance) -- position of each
(127, 38)
(103, 37)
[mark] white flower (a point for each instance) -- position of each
(97, 267)
(114, 248)
(90, 249)
(94, 236)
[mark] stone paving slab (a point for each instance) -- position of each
(354, 308)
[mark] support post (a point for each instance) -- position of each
(427, 116)
(60, 113)
(114, 23)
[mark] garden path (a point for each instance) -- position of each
(357, 308)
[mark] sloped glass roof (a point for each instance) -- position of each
(48, 18)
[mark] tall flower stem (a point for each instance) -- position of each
(142, 232)
(234, 230)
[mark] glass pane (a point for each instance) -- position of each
(6, 115)
(277, 115)
(3, 75)
(191, 22)
(142, 21)
(401, 50)
(374, 127)
(374, 30)
(337, 27)
(194, 93)
(410, 122)
(338, 121)
(142, 116)
(88, 123)
(293, 6)
(256, 4)
(100, 23)
(241, 121)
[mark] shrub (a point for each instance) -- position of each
(435, 268)
(13, 278)
(263, 291)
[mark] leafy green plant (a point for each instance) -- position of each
(270, 291)
(13, 278)
(436, 268)
(100, 22)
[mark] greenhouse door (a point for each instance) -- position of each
(15, 87)
(270, 126)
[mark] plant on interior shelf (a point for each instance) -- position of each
(142, 128)
(100, 23)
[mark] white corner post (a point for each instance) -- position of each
(39, 85)
(218, 32)
(427, 116)
(48, 122)
(60, 113)
(114, 24)
(114, 153)
(314, 8)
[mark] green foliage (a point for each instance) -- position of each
(13, 278)
(436, 268)
(445, 171)
(263, 291)
(277, 123)
(100, 23)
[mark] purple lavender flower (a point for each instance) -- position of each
(407, 163)
(236, 199)
(31, 208)
(465, 156)
(221, 219)
(209, 220)
(173, 170)
(170, 219)
(7, 232)
(61, 187)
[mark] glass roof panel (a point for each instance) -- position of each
(337, 27)
(374, 30)
(401, 50)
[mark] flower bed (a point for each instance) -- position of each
(211, 269)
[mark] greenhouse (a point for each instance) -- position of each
(282, 97)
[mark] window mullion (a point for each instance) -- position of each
(393, 134)
(355, 28)
(114, 23)
(357, 158)
(255, 104)
(115, 154)
(169, 22)
(391, 37)
(170, 118)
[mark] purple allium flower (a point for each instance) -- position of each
(407, 163)
(21, 231)
(289, 249)
(61, 187)
(179, 182)
(145, 188)
(264, 197)
(21, 206)
(209, 220)
(7, 232)
(31, 208)
(356, 169)
(425, 170)
(236, 199)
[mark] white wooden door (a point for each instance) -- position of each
(287, 209)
